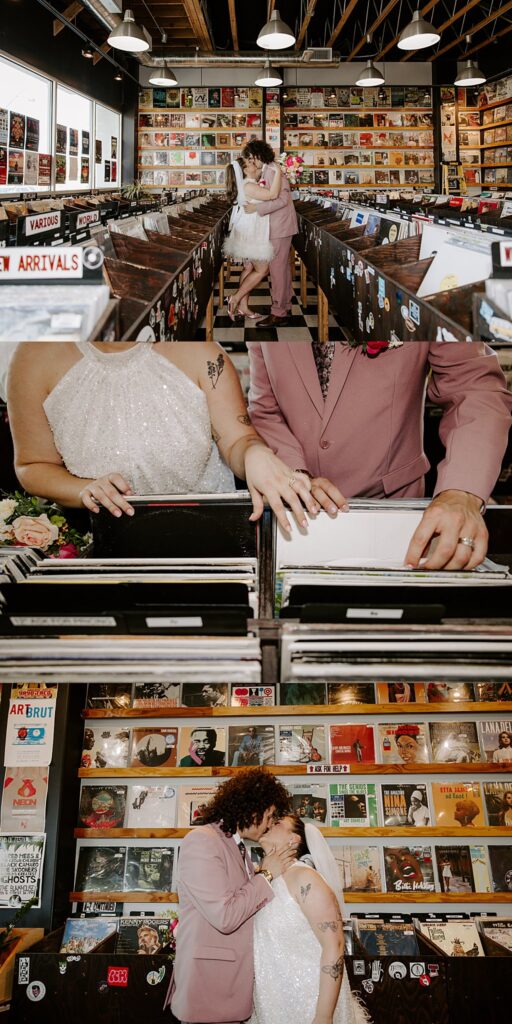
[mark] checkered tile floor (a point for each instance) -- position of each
(302, 326)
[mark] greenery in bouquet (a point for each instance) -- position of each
(27, 521)
(292, 166)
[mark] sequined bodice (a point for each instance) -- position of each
(287, 966)
(134, 412)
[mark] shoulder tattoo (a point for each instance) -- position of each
(215, 369)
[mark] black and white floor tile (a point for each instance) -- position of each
(302, 325)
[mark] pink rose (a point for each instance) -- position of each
(68, 551)
(373, 348)
(35, 532)
(289, 161)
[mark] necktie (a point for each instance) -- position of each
(242, 849)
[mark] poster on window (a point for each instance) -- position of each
(73, 168)
(16, 131)
(85, 143)
(4, 126)
(44, 174)
(21, 869)
(3, 165)
(113, 147)
(32, 137)
(61, 144)
(99, 151)
(106, 171)
(73, 141)
(16, 167)
(31, 167)
(84, 171)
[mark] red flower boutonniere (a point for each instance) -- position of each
(372, 349)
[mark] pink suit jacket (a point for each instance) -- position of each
(214, 968)
(367, 437)
(283, 219)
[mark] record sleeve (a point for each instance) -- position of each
(24, 799)
(156, 695)
(442, 692)
(100, 869)
(453, 938)
(85, 934)
(352, 744)
(297, 693)
(102, 807)
(154, 747)
(381, 937)
(498, 801)
(146, 935)
(251, 745)
(493, 691)
(205, 695)
(148, 868)
(400, 692)
(404, 743)
(105, 747)
(252, 696)
(109, 696)
(359, 868)
(405, 804)
(497, 929)
(350, 693)
(310, 801)
(455, 742)
(151, 806)
(496, 740)
(353, 804)
(457, 803)
(202, 746)
(301, 744)
(409, 869)
(462, 869)
(191, 802)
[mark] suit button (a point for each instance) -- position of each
(325, 444)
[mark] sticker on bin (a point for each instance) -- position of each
(117, 977)
(23, 970)
(328, 769)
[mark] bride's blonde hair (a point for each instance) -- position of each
(231, 185)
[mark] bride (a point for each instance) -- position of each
(248, 240)
(93, 423)
(298, 937)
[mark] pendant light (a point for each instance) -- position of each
(418, 34)
(128, 35)
(88, 52)
(276, 34)
(470, 74)
(163, 76)
(118, 77)
(268, 76)
(370, 76)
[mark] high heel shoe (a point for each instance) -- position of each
(232, 308)
(250, 314)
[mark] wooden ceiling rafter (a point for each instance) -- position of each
(198, 23)
(305, 23)
(447, 24)
(270, 8)
(342, 21)
(105, 47)
(71, 12)
(490, 39)
(233, 23)
(473, 29)
(373, 27)
(424, 10)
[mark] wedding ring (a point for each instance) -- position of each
(468, 541)
(291, 480)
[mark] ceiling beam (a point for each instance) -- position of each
(271, 5)
(446, 24)
(97, 56)
(194, 12)
(474, 28)
(233, 23)
(71, 12)
(371, 28)
(305, 24)
(491, 39)
(343, 20)
(424, 10)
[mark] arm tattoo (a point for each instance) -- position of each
(334, 971)
(326, 926)
(215, 369)
(304, 890)
(245, 420)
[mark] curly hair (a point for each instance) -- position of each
(243, 799)
(260, 149)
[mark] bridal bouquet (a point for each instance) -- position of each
(27, 521)
(292, 166)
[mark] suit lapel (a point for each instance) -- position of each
(302, 355)
(232, 850)
(342, 364)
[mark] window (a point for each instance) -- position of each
(25, 135)
(107, 154)
(73, 141)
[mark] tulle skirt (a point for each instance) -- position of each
(248, 239)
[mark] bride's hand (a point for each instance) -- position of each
(107, 491)
(268, 477)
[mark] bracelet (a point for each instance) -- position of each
(266, 874)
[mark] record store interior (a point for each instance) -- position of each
(238, 571)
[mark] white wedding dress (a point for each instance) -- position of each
(134, 412)
(249, 234)
(287, 967)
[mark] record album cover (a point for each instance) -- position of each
(301, 744)
(251, 745)
(400, 692)
(352, 744)
(191, 802)
(100, 869)
(443, 692)
(497, 929)
(149, 868)
(151, 806)
(463, 869)
(405, 804)
(454, 742)
(409, 869)
(202, 746)
(493, 691)
(252, 696)
(457, 803)
(105, 747)
(382, 937)
(156, 695)
(154, 747)
(205, 695)
(146, 935)
(102, 807)
(496, 740)
(453, 938)
(109, 695)
(404, 743)
(302, 693)
(359, 868)
(498, 802)
(85, 934)
(310, 801)
(350, 693)
(353, 804)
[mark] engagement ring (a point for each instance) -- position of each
(468, 541)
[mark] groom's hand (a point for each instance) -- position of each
(278, 861)
(328, 496)
(250, 207)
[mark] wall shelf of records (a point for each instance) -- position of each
(52, 138)
(187, 136)
(495, 103)
(353, 136)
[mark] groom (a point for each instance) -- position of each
(219, 893)
(283, 226)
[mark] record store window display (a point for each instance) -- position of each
(93, 423)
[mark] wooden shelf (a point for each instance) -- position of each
(330, 833)
(427, 897)
(280, 710)
(124, 897)
(339, 149)
(496, 103)
(206, 110)
(359, 109)
(346, 128)
(418, 768)
(372, 167)
(488, 127)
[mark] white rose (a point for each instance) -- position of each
(7, 506)
(6, 533)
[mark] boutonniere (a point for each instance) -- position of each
(372, 349)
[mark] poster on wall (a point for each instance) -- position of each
(16, 167)
(44, 174)
(60, 169)
(3, 165)
(85, 143)
(16, 131)
(106, 171)
(99, 151)
(21, 869)
(73, 141)
(31, 167)
(113, 148)
(24, 800)
(61, 144)
(4, 126)
(32, 139)
(84, 171)
(31, 719)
